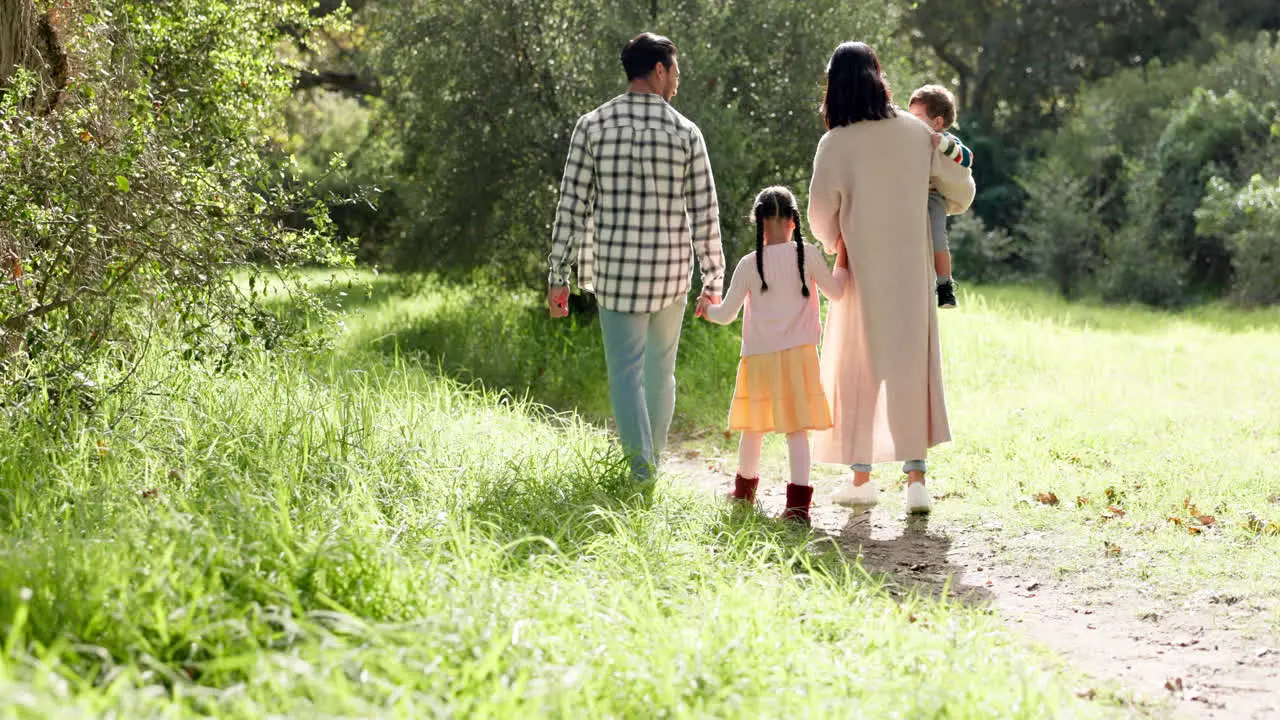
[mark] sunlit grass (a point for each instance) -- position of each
(353, 535)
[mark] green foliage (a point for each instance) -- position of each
(1246, 221)
(1062, 225)
(480, 99)
(1126, 173)
(983, 254)
(135, 204)
(1211, 136)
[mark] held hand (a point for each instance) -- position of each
(705, 300)
(558, 301)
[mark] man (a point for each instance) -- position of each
(637, 200)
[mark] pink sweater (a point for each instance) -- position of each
(781, 318)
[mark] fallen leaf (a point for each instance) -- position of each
(1194, 530)
(1046, 498)
(1112, 512)
(1087, 694)
(1033, 585)
(727, 434)
(1173, 684)
(1205, 520)
(150, 494)
(1175, 520)
(1112, 548)
(1112, 494)
(86, 136)
(1082, 501)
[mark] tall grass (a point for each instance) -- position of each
(355, 535)
(1157, 414)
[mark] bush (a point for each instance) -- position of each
(1213, 135)
(981, 254)
(1062, 227)
(151, 192)
(1130, 194)
(1247, 221)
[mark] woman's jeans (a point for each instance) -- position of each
(908, 466)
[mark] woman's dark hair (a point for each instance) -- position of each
(644, 52)
(856, 88)
(778, 202)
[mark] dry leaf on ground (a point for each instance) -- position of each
(1111, 548)
(1046, 498)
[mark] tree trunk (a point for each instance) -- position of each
(29, 39)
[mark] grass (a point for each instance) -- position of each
(1157, 414)
(358, 534)
(1164, 417)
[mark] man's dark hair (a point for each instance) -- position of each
(938, 102)
(644, 52)
(856, 88)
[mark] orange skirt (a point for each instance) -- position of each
(780, 392)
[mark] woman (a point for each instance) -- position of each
(881, 363)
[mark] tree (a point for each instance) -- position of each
(29, 41)
(133, 203)
(481, 97)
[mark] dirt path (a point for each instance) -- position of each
(1195, 660)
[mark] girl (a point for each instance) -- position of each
(778, 388)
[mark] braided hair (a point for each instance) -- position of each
(778, 202)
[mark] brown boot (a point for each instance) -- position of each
(799, 498)
(744, 489)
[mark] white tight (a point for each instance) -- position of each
(797, 452)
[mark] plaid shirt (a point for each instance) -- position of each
(636, 200)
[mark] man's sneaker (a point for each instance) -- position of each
(946, 294)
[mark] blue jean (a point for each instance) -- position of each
(908, 466)
(640, 354)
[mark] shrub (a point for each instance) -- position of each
(1247, 221)
(151, 192)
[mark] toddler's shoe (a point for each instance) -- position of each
(947, 294)
(918, 500)
(852, 494)
(799, 498)
(744, 489)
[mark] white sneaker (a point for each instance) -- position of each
(918, 500)
(852, 494)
